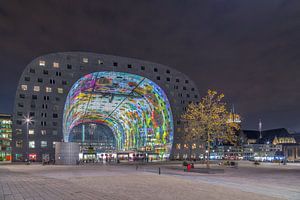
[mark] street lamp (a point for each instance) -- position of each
(28, 121)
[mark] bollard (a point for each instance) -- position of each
(159, 170)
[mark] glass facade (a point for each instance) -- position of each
(134, 108)
(5, 137)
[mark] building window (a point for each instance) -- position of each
(40, 80)
(178, 146)
(18, 131)
(36, 88)
(168, 71)
(20, 105)
(31, 114)
(48, 89)
(100, 62)
(52, 81)
(31, 144)
(194, 146)
(43, 123)
(54, 123)
(129, 66)
(54, 132)
(45, 72)
(55, 115)
(177, 80)
(34, 97)
(64, 82)
(32, 70)
(196, 96)
(56, 65)
(19, 143)
(142, 67)
(69, 66)
(193, 89)
(24, 87)
(158, 78)
(31, 132)
(43, 144)
(115, 64)
(184, 88)
(60, 90)
(53, 145)
(19, 122)
(186, 81)
(22, 96)
(168, 79)
(42, 63)
(43, 132)
(27, 78)
(85, 60)
(155, 70)
(186, 146)
(20, 114)
(58, 73)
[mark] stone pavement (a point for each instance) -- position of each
(114, 182)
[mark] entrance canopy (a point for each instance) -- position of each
(133, 107)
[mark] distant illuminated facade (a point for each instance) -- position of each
(111, 103)
(5, 137)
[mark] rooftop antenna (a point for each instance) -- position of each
(260, 128)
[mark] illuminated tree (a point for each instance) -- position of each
(209, 121)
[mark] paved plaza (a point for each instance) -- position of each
(124, 181)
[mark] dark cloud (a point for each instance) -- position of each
(247, 49)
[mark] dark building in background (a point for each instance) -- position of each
(5, 137)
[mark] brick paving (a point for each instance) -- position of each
(38, 182)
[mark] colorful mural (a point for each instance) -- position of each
(135, 108)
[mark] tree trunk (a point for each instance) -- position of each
(208, 152)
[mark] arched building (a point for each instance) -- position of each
(115, 103)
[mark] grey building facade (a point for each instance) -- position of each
(46, 81)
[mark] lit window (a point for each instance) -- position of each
(24, 87)
(54, 144)
(31, 144)
(36, 88)
(56, 65)
(100, 62)
(43, 144)
(48, 89)
(177, 146)
(194, 146)
(18, 131)
(42, 63)
(60, 90)
(85, 60)
(19, 143)
(43, 132)
(186, 146)
(31, 132)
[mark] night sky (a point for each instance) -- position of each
(247, 49)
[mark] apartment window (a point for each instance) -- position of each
(55, 115)
(100, 62)
(168, 71)
(24, 87)
(115, 64)
(40, 80)
(18, 131)
(192, 89)
(46, 97)
(184, 88)
(45, 72)
(19, 143)
(60, 90)
(43, 132)
(31, 132)
(31, 144)
(19, 122)
(32, 105)
(22, 96)
(58, 73)
(52, 81)
(20, 114)
(20, 105)
(178, 146)
(48, 89)
(54, 132)
(55, 108)
(42, 63)
(44, 106)
(194, 146)
(54, 123)
(186, 81)
(64, 82)
(53, 144)
(129, 66)
(177, 80)
(57, 99)
(27, 78)
(56, 65)
(155, 69)
(31, 114)
(158, 78)
(43, 123)
(85, 60)
(69, 66)
(36, 88)
(186, 146)
(44, 144)
(168, 79)
(196, 96)
(142, 67)
(34, 97)
(188, 95)
(32, 70)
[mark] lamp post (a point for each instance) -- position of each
(28, 121)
